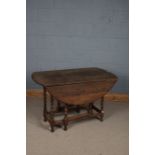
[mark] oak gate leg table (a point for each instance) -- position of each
(74, 88)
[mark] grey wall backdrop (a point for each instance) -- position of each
(78, 33)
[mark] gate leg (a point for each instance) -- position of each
(65, 117)
(52, 114)
(102, 109)
(44, 104)
(78, 109)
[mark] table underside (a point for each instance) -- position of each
(71, 113)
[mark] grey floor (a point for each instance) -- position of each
(89, 137)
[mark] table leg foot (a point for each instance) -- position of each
(45, 119)
(101, 119)
(65, 121)
(52, 127)
(65, 127)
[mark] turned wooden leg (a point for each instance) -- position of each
(51, 127)
(102, 109)
(44, 104)
(90, 108)
(52, 114)
(58, 106)
(65, 117)
(78, 109)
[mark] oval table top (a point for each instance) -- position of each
(71, 76)
(76, 86)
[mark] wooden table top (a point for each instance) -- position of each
(71, 76)
(76, 86)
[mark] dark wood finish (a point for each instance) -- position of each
(58, 106)
(74, 87)
(52, 122)
(82, 116)
(45, 104)
(79, 117)
(78, 109)
(65, 117)
(110, 96)
(96, 109)
(82, 93)
(70, 76)
(102, 108)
